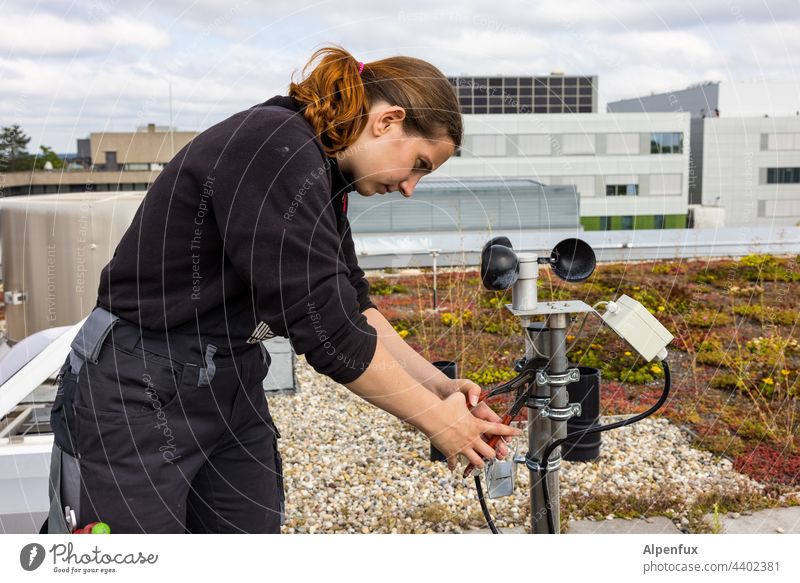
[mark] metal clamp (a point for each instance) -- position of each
(14, 298)
(571, 376)
(538, 402)
(532, 464)
(561, 414)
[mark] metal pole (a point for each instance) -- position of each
(537, 343)
(559, 399)
(171, 133)
(543, 430)
(434, 253)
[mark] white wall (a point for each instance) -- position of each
(736, 155)
(756, 98)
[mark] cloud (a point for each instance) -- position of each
(70, 68)
(43, 34)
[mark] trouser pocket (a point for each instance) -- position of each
(64, 492)
(62, 414)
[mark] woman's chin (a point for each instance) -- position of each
(365, 190)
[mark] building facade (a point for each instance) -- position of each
(630, 170)
(148, 148)
(113, 161)
(751, 169)
(744, 157)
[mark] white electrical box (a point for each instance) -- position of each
(637, 327)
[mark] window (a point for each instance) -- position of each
(626, 223)
(786, 208)
(533, 144)
(666, 143)
(783, 175)
(783, 141)
(577, 144)
(135, 167)
(489, 145)
(665, 184)
(659, 221)
(605, 223)
(622, 144)
(622, 189)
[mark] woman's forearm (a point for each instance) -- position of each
(414, 363)
(386, 384)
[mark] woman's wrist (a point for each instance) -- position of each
(441, 385)
(431, 420)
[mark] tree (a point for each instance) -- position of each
(47, 155)
(13, 143)
(14, 156)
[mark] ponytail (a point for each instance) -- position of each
(337, 99)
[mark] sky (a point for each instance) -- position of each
(74, 67)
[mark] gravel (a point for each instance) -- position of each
(351, 467)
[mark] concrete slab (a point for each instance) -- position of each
(653, 525)
(515, 530)
(769, 521)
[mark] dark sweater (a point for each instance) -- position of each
(243, 236)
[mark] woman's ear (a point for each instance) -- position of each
(393, 114)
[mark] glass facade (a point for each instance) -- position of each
(468, 205)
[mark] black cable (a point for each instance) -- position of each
(598, 429)
(484, 507)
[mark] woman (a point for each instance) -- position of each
(161, 423)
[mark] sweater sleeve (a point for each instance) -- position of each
(356, 277)
(272, 204)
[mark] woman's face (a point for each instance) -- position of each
(385, 159)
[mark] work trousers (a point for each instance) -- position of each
(158, 433)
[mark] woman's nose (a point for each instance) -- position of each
(407, 186)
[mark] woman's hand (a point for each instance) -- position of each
(472, 392)
(460, 432)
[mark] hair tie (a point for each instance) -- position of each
(360, 67)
